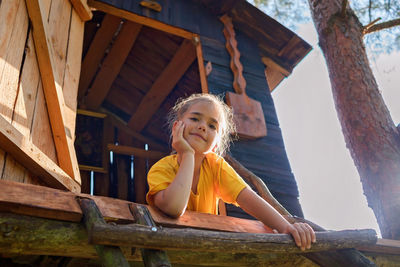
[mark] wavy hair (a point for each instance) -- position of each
(227, 125)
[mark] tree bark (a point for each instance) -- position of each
(368, 128)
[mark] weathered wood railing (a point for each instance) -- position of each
(60, 232)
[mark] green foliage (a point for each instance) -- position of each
(293, 13)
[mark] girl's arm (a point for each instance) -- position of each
(173, 200)
(253, 204)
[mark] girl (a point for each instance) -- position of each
(196, 177)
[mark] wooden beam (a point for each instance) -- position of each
(70, 239)
(269, 62)
(81, 7)
(211, 241)
(164, 84)
(140, 19)
(110, 256)
(112, 64)
(385, 246)
(53, 92)
(121, 125)
(32, 158)
(137, 152)
(96, 51)
(200, 61)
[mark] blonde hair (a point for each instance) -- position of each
(227, 126)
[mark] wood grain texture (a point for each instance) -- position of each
(96, 51)
(82, 9)
(164, 84)
(33, 158)
(112, 64)
(59, 238)
(53, 90)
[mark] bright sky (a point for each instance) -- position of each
(330, 189)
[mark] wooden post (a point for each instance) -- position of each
(110, 256)
(151, 257)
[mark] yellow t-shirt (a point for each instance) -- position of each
(218, 180)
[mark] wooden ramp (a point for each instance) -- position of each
(37, 220)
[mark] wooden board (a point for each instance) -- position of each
(55, 204)
(96, 51)
(164, 84)
(49, 203)
(112, 64)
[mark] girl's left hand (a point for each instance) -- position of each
(302, 233)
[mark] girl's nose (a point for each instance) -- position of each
(202, 126)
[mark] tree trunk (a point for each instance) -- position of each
(368, 128)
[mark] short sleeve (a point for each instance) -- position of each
(160, 177)
(230, 183)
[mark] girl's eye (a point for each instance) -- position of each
(194, 119)
(212, 126)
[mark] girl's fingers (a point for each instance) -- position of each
(307, 235)
(312, 233)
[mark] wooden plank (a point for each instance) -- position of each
(137, 152)
(112, 64)
(49, 203)
(82, 9)
(140, 175)
(72, 71)
(28, 89)
(202, 71)
(53, 91)
(12, 141)
(11, 53)
(96, 51)
(9, 83)
(41, 134)
(274, 78)
(384, 246)
(164, 84)
(276, 66)
(140, 19)
(123, 127)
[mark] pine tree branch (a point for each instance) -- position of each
(381, 26)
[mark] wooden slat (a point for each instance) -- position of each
(202, 71)
(123, 127)
(137, 152)
(53, 91)
(164, 84)
(23, 199)
(82, 9)
(41, 134)
(72, 71)
(96, 51)
(11, 51)
(32, 158)
(140, 19)
(112, 64)
(28, 89)
(10, 69)
(385, 246)
(112, 209)
(276, 66)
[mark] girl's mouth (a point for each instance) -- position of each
(200, 136)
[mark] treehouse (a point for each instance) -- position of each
(85, 87)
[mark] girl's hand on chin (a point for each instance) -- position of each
(179, 143)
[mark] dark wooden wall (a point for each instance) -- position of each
(266, 157)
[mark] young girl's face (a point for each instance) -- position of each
(202, 123)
